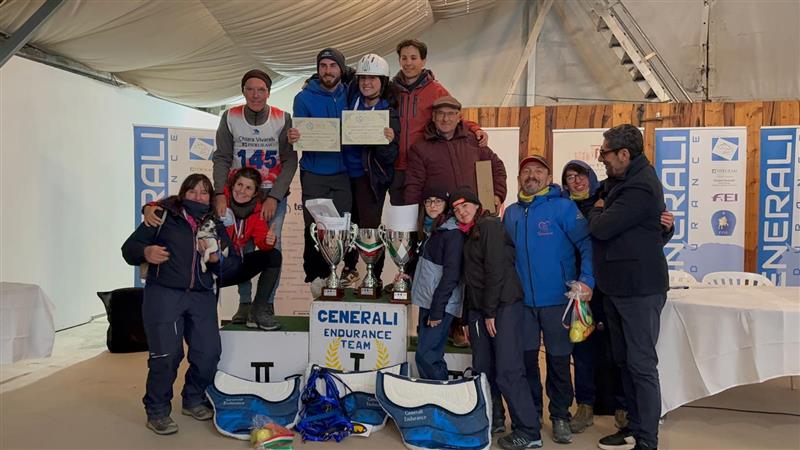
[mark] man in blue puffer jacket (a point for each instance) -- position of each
(547, 229)
(322, 174)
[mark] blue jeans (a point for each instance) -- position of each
(276, 225)
(430, 346)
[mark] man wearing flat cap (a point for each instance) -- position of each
(447, 154)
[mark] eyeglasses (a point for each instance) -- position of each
(446, 114)
(575, 176)
(433, 201)
(603, 152)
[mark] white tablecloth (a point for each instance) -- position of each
(26, 322)
(716, 338)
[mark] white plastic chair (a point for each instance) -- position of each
(682, 278)
(738, 279)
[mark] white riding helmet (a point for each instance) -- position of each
(372, 64)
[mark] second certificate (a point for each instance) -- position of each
(364, 127)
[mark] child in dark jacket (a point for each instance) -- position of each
(179, 303)
(437, 288)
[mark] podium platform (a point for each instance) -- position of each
(457, 359)
(357, 334)
(265, 356)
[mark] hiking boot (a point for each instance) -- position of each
(583, 418)
(459, 338)
(561, 432)
(270, 308)
(621, 440)
(349, 277)
(517, 440)
(261, 318)
(621, 419)
(240, 316)
(198, 412)
(163, 425)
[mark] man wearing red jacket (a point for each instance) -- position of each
(418, 90)
(446, 156)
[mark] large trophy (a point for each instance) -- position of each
(333, 244)
(399, 245)
(370, 247)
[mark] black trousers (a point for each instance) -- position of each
(501, 359)
(170, 316)
(634, 324)
(335, 187)
(367, 212)
(264, 262)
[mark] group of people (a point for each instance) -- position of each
(501, 282)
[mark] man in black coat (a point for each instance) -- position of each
(630, 268)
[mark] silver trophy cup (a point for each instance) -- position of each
(399, 244)
(370, 247)
(333, 245)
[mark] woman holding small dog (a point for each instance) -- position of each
(254, 249)
(179, 303)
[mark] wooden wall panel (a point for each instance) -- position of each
(750, 115)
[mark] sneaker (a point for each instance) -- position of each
(621, 419)
(316, 287)
(621, 440)
(561, 432)
(240, 316)
(163, 425)
(270, 308)
(498, 425)
(349, 278)
(262, 319)
(517, 441)
(583, 418)
(199, 412)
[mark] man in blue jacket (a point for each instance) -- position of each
(322, 174)
(549, 231)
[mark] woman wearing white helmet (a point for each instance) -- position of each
(371, 167)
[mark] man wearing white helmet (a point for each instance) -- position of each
(371, 167)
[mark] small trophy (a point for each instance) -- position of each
(333, 244)
(370, 247)
(399, 246)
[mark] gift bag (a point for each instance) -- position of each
(581, 323)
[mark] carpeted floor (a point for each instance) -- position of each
(96, 404)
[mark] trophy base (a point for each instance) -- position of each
(332, 294)
(369, 292)
(400, 297)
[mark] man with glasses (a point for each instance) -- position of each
(447, 154)
(630, 268)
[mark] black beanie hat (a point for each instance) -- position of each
(435, 191)
(331, 53)
(463, 194)
(260, 74)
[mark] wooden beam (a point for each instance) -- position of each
(530, 49)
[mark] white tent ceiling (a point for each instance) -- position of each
(195, 51)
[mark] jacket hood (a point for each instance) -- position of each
(593, 183)
(449, 224)
(425, 77)
(315, 87)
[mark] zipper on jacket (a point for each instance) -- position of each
(528, 256)
(414, 108)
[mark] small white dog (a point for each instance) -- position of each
(208, 234)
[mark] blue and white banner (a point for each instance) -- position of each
(703, 172)
(779, 206)
(162, 158)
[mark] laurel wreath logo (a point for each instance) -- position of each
(332, 355)
(383, 355)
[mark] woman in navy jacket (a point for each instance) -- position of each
(179, 303)
(437, 288)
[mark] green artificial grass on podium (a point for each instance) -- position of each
(412, 347)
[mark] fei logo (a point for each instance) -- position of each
(725, 197)
(725, 149)
(723, 222)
